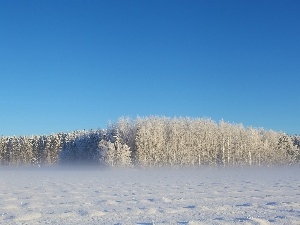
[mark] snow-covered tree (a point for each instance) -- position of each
(151, 142)
(3, 150)
(114, 153)
(127, 129)
(156, 141)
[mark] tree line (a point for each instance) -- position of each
(155, 141)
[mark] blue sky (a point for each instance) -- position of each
(67, 65)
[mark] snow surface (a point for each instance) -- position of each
(150, 196)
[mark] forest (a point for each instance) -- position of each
(155, 141)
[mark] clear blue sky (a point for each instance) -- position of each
(67, 65)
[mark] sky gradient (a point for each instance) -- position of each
(67, 65)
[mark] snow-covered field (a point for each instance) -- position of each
(156, 196)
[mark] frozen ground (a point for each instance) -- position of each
(144, 197)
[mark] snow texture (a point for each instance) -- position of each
(150, 196)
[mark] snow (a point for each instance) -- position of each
(150, 196)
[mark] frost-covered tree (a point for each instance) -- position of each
(114, 152)
(3, 150)
(286, 150)
(66, 155)
(106, 153)
(151, 142)
(156, 141)
(296, 143)
(25, 154)
(35, 151)
(80, 147)
(14, 151)
(127, 129)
